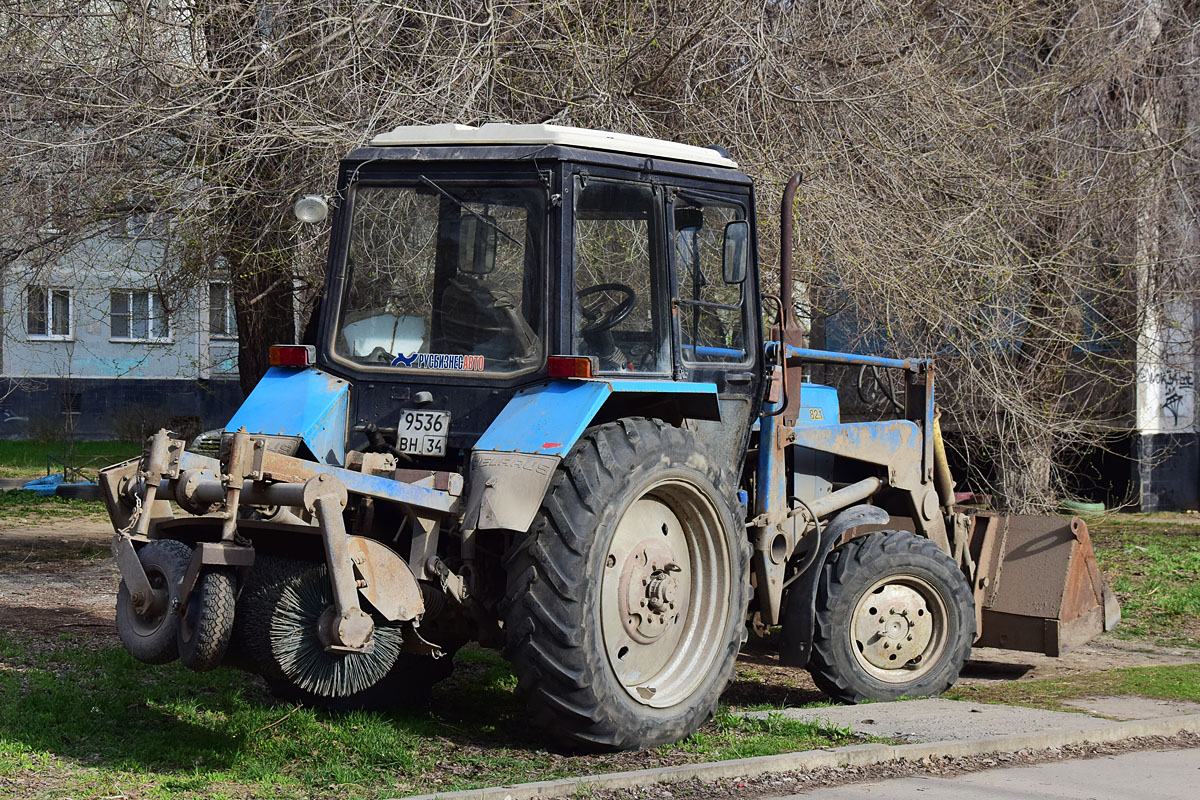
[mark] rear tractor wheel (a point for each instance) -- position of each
(895, 617)
(626, 601)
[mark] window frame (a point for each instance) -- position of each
(342, 275)
(657, 247)
(230, 313)
(48, 312)
(739, 204)
(148, 339)
(141, 224)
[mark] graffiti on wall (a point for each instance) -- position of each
(1167, 394)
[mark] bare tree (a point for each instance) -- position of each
(1007, 187)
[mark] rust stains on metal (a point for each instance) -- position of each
(1038, 586)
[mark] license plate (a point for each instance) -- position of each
(422, 433)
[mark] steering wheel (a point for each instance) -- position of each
(600, 319)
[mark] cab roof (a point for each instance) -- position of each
(502, 133)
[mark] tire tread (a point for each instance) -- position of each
(212, 632)
(548, 570)
(843, 568)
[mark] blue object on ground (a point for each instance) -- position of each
(46, 485)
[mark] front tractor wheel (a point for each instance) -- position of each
(627, 599)
(895, 617)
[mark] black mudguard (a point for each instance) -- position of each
(799, 603)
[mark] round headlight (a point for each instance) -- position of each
(311, 208)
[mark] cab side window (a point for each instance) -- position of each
(712, 313)
(616, 300)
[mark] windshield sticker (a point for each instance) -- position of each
(462, 363)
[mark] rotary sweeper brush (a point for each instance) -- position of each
(543, 415)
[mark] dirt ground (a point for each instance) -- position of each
(62, 579)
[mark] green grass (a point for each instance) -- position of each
(1154, 567)
(27, 459)
(1180, 682)
(92, 722)
(21, 458)
(19, 506)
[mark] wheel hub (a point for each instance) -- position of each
(150, 611)
(664, 594)
(649, 594)
(893, 627)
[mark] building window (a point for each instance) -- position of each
(48, 313)
(221, 322)
(139, 316)
(143, 224)
(71, 402)
(140, 221)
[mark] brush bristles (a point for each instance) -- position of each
(296, 650)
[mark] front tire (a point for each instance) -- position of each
(207, 623)
(626, 601)
(151, 636)
(895, 618)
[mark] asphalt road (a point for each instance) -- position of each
(1171, 775)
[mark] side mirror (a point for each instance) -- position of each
(736, 250)
(477, 244)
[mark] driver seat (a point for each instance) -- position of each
(480, 319)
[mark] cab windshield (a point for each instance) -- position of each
(444, 276)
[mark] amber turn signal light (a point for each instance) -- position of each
(572, 366)
(292, 355)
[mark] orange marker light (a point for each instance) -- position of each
(291, 355)
(571, 366)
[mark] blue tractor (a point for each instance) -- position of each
(542, 414)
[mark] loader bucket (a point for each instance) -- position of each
(1037, 584)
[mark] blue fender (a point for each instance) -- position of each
(549, 418)
(513, 462)
(307, 403)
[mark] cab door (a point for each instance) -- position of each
(715, 330)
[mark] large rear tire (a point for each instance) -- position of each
(151, 636)
(626, 600)
(895, 618)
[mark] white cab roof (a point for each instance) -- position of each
(505, 133)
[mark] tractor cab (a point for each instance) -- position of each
(469, 264)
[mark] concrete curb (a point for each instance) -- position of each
(860, 755)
